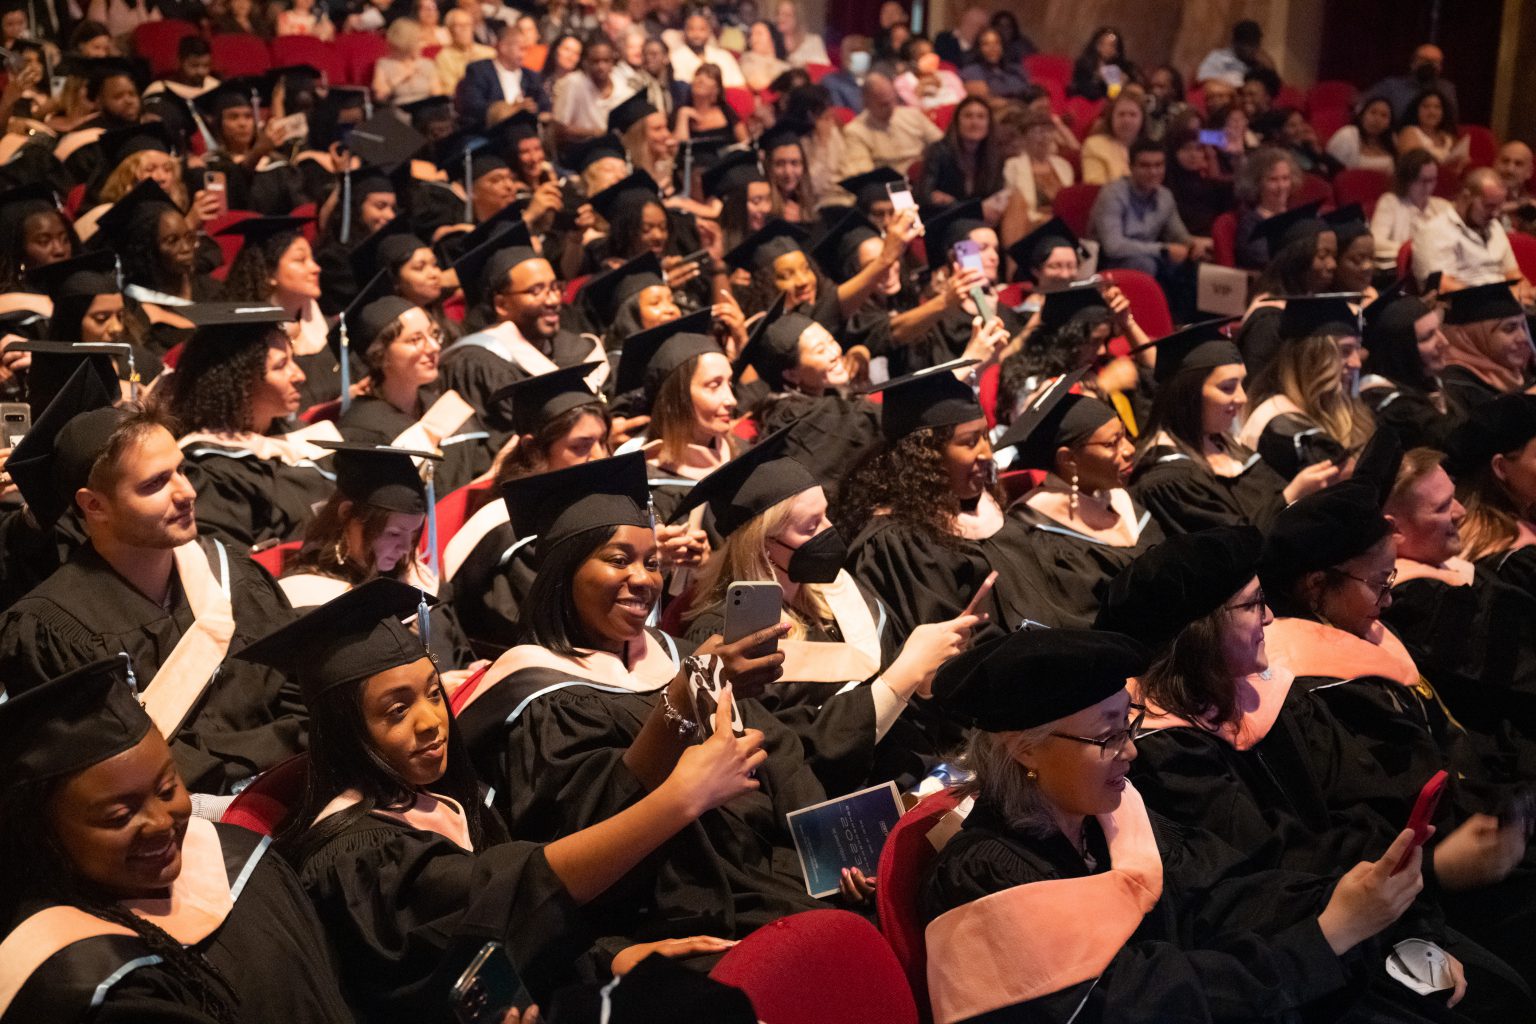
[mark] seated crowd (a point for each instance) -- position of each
(387, 463)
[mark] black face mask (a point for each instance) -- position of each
(818, 560)
(1424, 72)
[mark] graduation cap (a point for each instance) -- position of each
(469, 156)
(767, 244)
(787, 132)
(1348, 222)
(1320, 531)
(639, 187)
(1179, 581)
(1386, 297)
(1306, 316)
(228, 328)
(1392, 343)
(650, 357)
(749, 485)
(1481, 303)
(953, 223)
(146, 198)
(556, 506)
(373, 311)
(97, 70)
(1036, 247)
(731, 172)
(483, 269)
(1282, 229)
(538, 400)
(231, 94)
(773, 344)
(55, 362)
(426, 111)
(585, 154)
(1079, 301)
(380, 475)
(493, 226)
(509, 131)
(931, 397)
(73, 284)
(629, 113)
(346, 640)
(1202, 346)
(385, 249)
(870, 187)
(70, 723)
(1379, 461)
(1069, 670)
(54, 459)
(1506, 424)
(119, 144)
(260, 230)
(294, 78)
(1055, 418)
(384, 140)
(837, 253)
(21, 202)
(605, 294)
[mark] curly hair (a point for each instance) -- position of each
(1250, 180)
(906, 481)
(1048, 354)
(212, 386)
(126, 175)
(142, 262)
(761, 292)
(250, 275)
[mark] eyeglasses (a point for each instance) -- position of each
(1113, 745)
(1258, 602)
(538, 291)
(1382, 589)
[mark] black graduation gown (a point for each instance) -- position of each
(1072, 569)
(552, 744)
(406, 910)
(1290, 442)
(1419, 424)
(1516, 567)
(830, 434)
(338, 287)
(273, 190)
(466, 454)
(1183, 497)
(322, 377)
(490, 586)
(244, 500)
(1465, 390)
(948, 337)
(249, 718)
(1220, 943)
(29, 555)
(270, 949)
(477, 373)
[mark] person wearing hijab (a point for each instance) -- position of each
(122, 905)
(1490, 345)
(1488, 457)
(1191, 472)
(1063, 894)
(1083, 525)
(408, 869)
(1405, 359)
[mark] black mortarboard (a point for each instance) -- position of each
(931, 397)
(1179, 581)
(1348, 223)
(21, 202)
(119, 144)
(231, 94)
(1392, 343)
(424, 112)
(55, 362)
(509, 131)
(557, 506)
(536, 401)
(870, 187)
(784, 133)
(385, 249)
(773, 344)
(749, 485)
(1319, 532)
(384, 140)
(257, 230)
(650, 357)
(731, 172)
(1482, 302)
(54, 459)
(585, 154)
(627, 114)
(767, 244)
(70, 723)
(1055, 418)
(1506, 424)
(951, 224)
(99, 69)
(1380, 460)
(1386, 297)
(483, 269)
(493, 226)
(346, 640)
(1068, 670)
(93, 273)
(837, 253)
(637, 188)
(228, 328)
(1306, 316)
(605, 294)
(1079, 301)
(1282, 229)
(295, 78)
(1036, 247)
(1200, 346)
(116, 225)
(380, 475)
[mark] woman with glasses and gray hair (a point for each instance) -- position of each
(1063, 897)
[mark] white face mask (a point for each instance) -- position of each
(858, 63)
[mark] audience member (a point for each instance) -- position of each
(561, 59)
(1137, 223)
(499, 80)
(1102, 70)
(707, 117)
(885, 134)
(763, 60)
(1199, 190)
(1410, 202)
(1016, 45)
(803, 47)
(462, 49)
(1366, 143)
(1298, 139)
(583, 101)
(1430, 123)
(1514, 165)
(1425, 71)
(696, 45)
(1231, 64)
(990, 74)
(958, 45)
(403, 75)
(1167, 110)
(926, 83)
(967, 163)
(1261, 88)
(1107, 149)
(1466, 243)
(845, 86)
(1037, 173)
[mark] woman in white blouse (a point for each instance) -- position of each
(1367, 142)
(1411, 200)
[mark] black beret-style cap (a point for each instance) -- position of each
(55, 362)
(1321, 531)
(585, 154)
(556, 506)
(837, 253)
(1179, 581)
(930, 397)
(733, 171)
(1033, 677)
(115, 225)
(70, 723)
(773, 345)
(871, 186)
(1504, 425)
(639, 187)
(749, 485)
(483, 270)
(346, 640)
(954, 223)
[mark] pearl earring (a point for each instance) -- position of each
(1072, 501)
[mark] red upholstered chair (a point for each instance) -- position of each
(1449, 184)
(904, 864)
(844, 115)
(819, 967)
(156, 42)
(742, 102)
(73, 200)
(1054, 67)
(1148, 303)
(1360, 185)
(1328, 120)
(941, 116)
(272, 559)
(265, 804)
(306, 210)
(1331, 94)
(987, 387)
(1312, 189)
(359, 51)
(1224, 239)
(818, 72)
(573, 286)
(289, 50)
(1013, 293)
(325, 412)
(1290, 97)
(1483, 146)
(1405, 259)
(1080, 113)
(1057, 91)
(1525, 253)
(239, 54)
(1074, 205)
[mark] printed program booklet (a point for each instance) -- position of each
(848, 832)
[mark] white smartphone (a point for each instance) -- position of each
(749, 608)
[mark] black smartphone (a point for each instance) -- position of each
(1432, 281)
(488, 988)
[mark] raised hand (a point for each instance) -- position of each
(717, 771)
(1370, 897)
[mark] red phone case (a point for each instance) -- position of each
(1423, 813)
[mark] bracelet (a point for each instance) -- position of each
(684, 727)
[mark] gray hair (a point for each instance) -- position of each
(1257, 167)
(1004, 783)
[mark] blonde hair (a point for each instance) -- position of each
(1307, 372)
(639, 151)
(1104, 123)
(126, 175)
(404, 34)
(743, 557)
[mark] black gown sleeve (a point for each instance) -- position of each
(1183, 498)
(919, 578)
(1290, 443)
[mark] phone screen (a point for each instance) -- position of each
(1213, 138)
(901, 196)
(967, 254)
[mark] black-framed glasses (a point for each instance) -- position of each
(1259, 601)
(1113, 745)
(1382, 589)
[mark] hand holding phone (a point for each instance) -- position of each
(749, 608)
(981, 595)
(488, 988)
(1419, 820)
